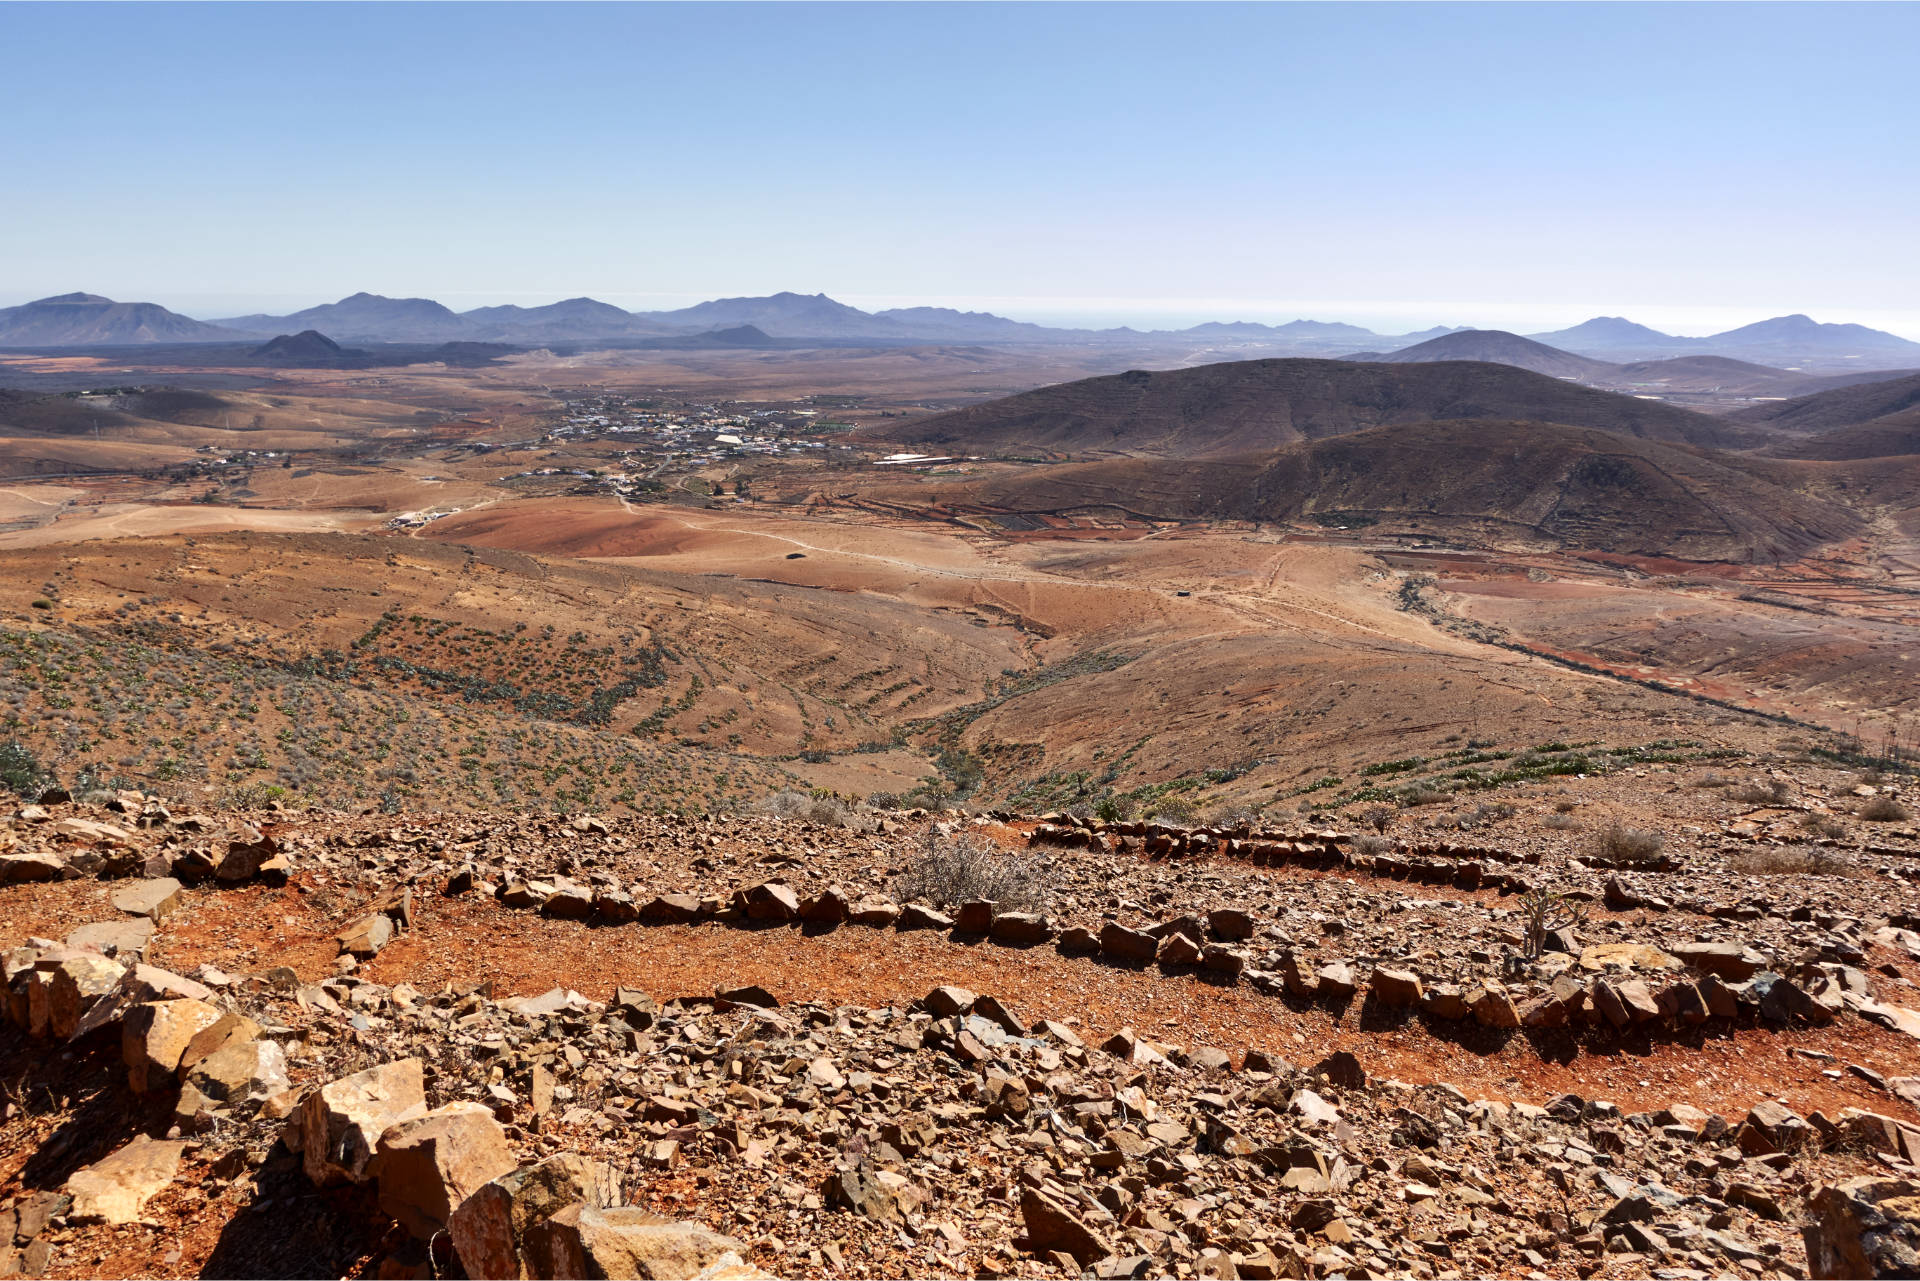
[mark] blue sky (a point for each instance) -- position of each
(1693, 166)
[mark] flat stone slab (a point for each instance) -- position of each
(115, 938)
(117, 1188)
(1631, 956)
(156, 899)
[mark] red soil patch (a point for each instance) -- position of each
(471, 940)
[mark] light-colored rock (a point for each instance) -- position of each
(429, 1165)
(1492, 1007)
(151, 983)
(155, 899)
(124, 939)
(87, 831)
(626, 1241)
(341, 1123)
(1626, 956)
(116, 1188)
(366, 936)
(489, 1228)
(153, 1036)
(78, 982)
(945, 1002)
(241, 1075)
(209, 1040)
(1864, 1227)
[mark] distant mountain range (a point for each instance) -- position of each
(88, 320)
(81, 320)
(1783, 337)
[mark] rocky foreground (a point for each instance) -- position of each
(317, 1110)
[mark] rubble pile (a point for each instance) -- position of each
(735, 1131)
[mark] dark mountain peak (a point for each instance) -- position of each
(308, 344)
(740, 336)
(1497, 346)
(72, 298)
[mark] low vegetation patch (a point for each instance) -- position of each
(20, 770)
(1884, 809)
(818, 809)
(1793, 860)
(1629, 845)
(1761, 792)
(949, 871)
(1823, 825)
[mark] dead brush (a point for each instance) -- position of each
(1415, 796)
(1823, 825)
(949, 871)
(800, 807)
(1233, 816)
(1793, 860)
(1883, 809)
(1632, 846)
(1483, 815)
(1373, 846)
(1562, 822)
(1770, 791)
(1378, 817)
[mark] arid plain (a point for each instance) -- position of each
(579, 725)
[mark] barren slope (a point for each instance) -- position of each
(1246, 407)
(1500, 481)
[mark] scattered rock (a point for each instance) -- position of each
(489, 1229)
(430, 1164)
(341, 1123)
(116, 1189)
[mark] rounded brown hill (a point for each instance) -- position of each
(1245, 407)
(1507, 482)
(1840, 407)
(1894, 436)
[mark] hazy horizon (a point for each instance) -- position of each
(1156, 314)
(1692, 167)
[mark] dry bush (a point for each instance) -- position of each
(1565, 805)
(1769, 791)
(1562, 822)
(799, 807)
(1422, 796)
(1378, 817)
(1232, 814)
(1823, 825)
(1713, 778)
(1793, 860)
(1870, 777)
(1174, 811)
(950, 871)
(1883, 809)
(1478, 816)
(1372, 846)
(1629, 844)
